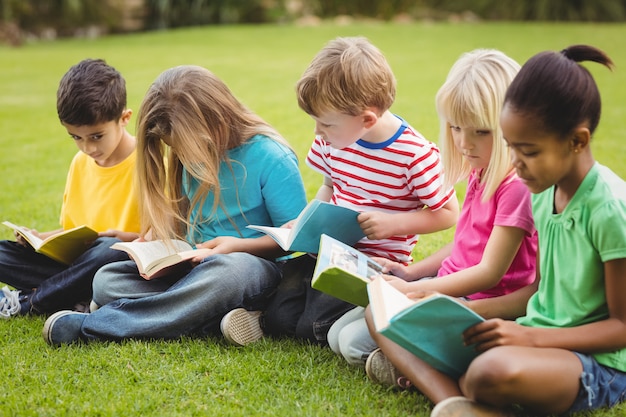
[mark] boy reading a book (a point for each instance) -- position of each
(99, 193)
(373, 162)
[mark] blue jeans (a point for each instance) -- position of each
(170, 307)
(297, 310)
(600, 386)
(53, 286)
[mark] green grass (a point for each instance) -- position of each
(261, 65)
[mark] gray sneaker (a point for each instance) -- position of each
(241, 327)
(381, 371)
(63, 327)
(9, 303)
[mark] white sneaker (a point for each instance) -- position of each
(93, 306)
(464, 407)
(241, 327)
(9, 303)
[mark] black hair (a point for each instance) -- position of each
(554, 90)
(91, 92)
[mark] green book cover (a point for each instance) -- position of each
(317, 218)
(431, 327)
(343, 271)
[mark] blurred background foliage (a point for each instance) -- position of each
(21, 20)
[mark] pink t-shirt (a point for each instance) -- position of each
(509, 206)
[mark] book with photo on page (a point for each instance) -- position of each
(343, 272)
(318, 217)
(63, 247)
(155, 258)
(431, 327)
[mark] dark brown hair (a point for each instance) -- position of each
(91, 92)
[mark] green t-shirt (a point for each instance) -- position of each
(573, 247)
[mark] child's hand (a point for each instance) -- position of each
(43, 235)
(497, 332)
(390, 267)
(222, 244)
(376, 224)
(20, 239)
(289, 224)
(398, 283)
(123, 236)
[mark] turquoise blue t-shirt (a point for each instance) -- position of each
(262, 186)
(573, 247)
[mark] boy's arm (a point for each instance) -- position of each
(325, 191)
(43, 236)
(379, 225)
(123, 236)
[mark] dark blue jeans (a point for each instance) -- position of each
(297, 310)
(53, 286)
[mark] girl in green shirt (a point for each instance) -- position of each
(567, 350)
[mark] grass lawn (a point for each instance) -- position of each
(261, 65)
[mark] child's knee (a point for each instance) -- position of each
(490, 372)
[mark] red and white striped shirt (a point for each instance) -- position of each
(402, 174)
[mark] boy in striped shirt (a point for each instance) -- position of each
(372, 161)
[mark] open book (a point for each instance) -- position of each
(431, 327)
(63, 247)
(317, 217)
(343, 271)
(155, 258)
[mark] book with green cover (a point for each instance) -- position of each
(316, 218)
(343, 272)
(63, 247)
(430, 327)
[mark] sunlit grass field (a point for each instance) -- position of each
(261, 65)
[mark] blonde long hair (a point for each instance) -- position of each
(473, 95)
(188, 119)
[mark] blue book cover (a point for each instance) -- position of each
(431, 328)
(317, 218)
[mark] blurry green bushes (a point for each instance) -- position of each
(60, 18)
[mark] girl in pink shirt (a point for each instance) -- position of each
(495, 242)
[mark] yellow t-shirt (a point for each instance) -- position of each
(101, 197)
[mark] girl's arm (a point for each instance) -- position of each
(427, 267)
(600, 336)
(264, 247)
(509, 306)
(500, 250)
(379, 225)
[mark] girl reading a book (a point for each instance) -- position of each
(495, 242)
(566, 352)
(207, 167)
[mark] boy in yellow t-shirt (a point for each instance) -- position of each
(99, 193)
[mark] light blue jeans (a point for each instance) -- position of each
(190, 303)
(350, 338)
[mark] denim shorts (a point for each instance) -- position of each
(600, 386)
